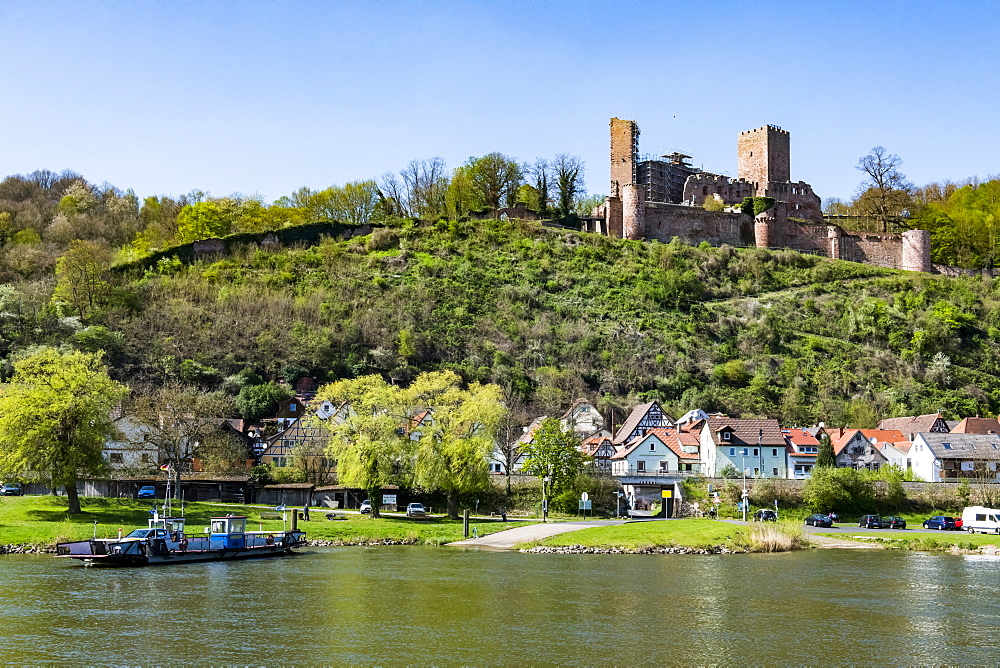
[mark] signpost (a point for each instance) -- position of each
(667, 495)
(585, 504)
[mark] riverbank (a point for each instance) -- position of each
(38, 523)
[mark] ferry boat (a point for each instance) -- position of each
(164, 541)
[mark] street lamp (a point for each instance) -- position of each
(545, 503)
(743, 452)
(618, 504)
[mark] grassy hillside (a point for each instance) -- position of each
(552, 315)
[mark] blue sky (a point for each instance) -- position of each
(266, 97)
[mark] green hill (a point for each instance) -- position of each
(551, 315)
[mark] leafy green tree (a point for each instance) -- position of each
(55, 417)
(495, 179)
(554, 452)
(256, 401)
(369, 449)
(458, 437)
(825, 458)
(729, 471)
(205, 220)
(81, 276)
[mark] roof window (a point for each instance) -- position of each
(946, 446)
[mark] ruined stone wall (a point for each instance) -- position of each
(633, 212)
(882, 250)
(763, 155)
(800, 236)
(624, 154)
(802, 202)
(699, 187)
(666, 221)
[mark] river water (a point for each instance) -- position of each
(445, 606)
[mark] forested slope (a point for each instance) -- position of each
(551, 315)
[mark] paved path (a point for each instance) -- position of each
(532, 532)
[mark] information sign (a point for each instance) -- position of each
(388, 499)
(667, 493)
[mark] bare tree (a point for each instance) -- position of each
(886, 193)
(540, 173)
(393, 195)
(510, 431)
(569, 181)
(178, 420)
(426, 184)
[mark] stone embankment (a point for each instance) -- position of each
(342, 543)
(580, 549)
(27, 549)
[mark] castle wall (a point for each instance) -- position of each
(916, 251)
(800, 236)
(633, 212)
(666, 221)
(881, 250)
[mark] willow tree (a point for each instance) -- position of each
(55, 416)
(369, 449)
(456, 439)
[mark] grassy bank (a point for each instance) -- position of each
(944, 541)
(698, 534)
(42, 521)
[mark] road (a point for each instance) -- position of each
(532, 532)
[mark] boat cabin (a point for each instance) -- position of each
(228, 532)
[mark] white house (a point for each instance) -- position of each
(660, 451)
(582, 418)
(936, 457)
(129, 449)
(756, 447)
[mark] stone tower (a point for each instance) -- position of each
(916, 251)
(763, 157)
(624, 154)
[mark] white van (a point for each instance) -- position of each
(981, 519)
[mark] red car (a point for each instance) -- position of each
(958, 523)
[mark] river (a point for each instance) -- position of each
(446, 606)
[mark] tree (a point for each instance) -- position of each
(456, 440)
(55, 417)
(495, 179)
(367, 446)
(426, 185)
(181, 421)
(81, 276)
(205, 220)
(460, 197)
(825, 457)
(510, 431)
(886, 192)
(540, 173)
(553, 452)
(569, 181)
(256, 401)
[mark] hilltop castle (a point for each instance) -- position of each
(665, 198)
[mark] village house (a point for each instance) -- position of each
(660, 451)
(802, 449)
(129, 450)
(582, 418)
(642, 418)
(755, 447)
(977, 425)
(936, 457)
(853, 449)
(912, 425)
(600, 449)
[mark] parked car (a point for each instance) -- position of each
(819, 521)
(940, 522)
(416, 510)
(146, 492)
(12, 489)
(958, 523)
(980, 518)
(870, 522)
(366, 506)
(894, 522)
(765, 515)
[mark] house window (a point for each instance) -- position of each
(726, 435)
(774, 471)
(756, 452)
(117, 458)
(946, 446)
(732, 452)
(663, 467)
(652, 447)
(494, 468)
(774, 452)
(291, 408)
(640, 466)
(756, 471)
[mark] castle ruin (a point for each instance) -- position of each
(665, 198)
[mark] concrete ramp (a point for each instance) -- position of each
(526, 534)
